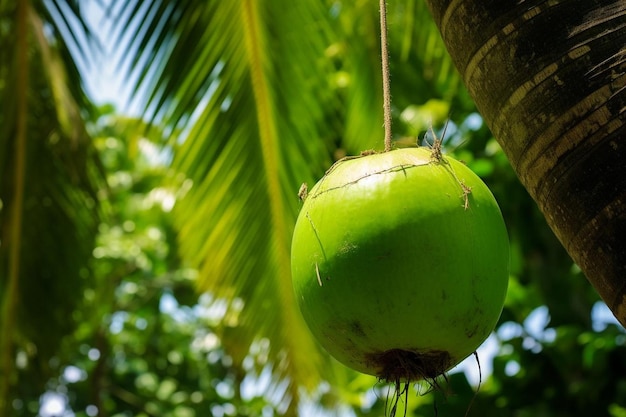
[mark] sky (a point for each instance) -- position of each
(105, 81)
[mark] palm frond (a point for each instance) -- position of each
(246, 81)
(263, 92)
(420, 67)
(418, 46)
(49, 176)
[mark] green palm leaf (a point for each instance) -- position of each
(255, 135)
(49, 172)
(264, 93)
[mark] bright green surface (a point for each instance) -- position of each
(402, 262)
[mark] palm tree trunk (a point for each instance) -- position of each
(549, 78)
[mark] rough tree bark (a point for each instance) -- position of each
(549, 78)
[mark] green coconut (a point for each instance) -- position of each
(400, 263)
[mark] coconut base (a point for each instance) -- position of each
(398, 365)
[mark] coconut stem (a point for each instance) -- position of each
(386, 79)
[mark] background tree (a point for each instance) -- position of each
(242, 101)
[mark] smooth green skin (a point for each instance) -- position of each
(402, 262)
